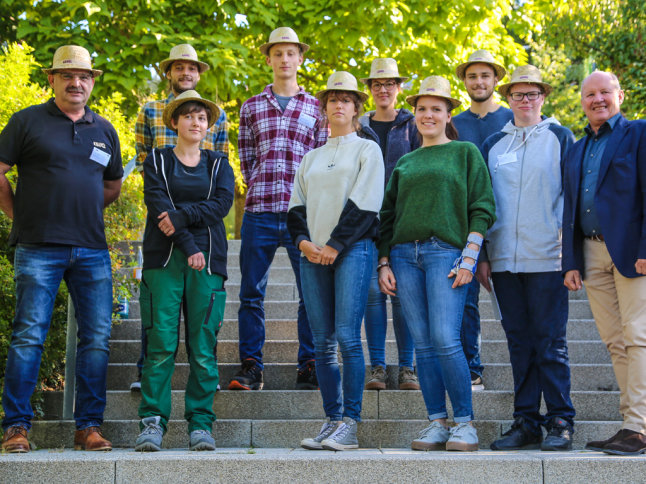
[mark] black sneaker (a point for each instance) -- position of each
(559, 435)
(518, 437)
(306, 378)
(248, 378)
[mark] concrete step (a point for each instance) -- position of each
(281, 465)
(130, 329)
(303, 404)
(282, 376)
(58, 434)
(280, 351)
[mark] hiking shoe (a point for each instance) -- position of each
(344, 437)
(306, 378)
(462, 437)
(327, 429)
(201, 440)
(248, 378)
(150, 438)
(518, 437)
(433, 437)
(476, 382)
(377, 380)
(135, 386)
(559, 435)
(407, 379)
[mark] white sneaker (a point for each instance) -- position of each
(327, 429)
(463, 437)
(433, 437)
(344, 437)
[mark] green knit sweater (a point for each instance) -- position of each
(442, 191)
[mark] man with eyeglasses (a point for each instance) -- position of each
(523, 258)
(480, 74)
(396, 133)
(69, 169)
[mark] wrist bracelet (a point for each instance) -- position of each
(383, 264)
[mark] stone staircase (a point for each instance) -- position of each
(279, 417)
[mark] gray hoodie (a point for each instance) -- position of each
(526, 166)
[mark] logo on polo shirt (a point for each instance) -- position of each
(98, 144)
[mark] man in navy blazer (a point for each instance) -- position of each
(604, 244)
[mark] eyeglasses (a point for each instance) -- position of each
(68, 76)
(389, 85)
(531, 95)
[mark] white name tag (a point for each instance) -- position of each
(307, 120)
(100, 156)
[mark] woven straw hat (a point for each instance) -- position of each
(484, 57)
(283, 35)
(434, 86)
(342, 81)
(384, 68)
(525, 74)
(183, 52)
(184, 97)
(72, 57)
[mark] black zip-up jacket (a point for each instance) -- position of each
(158, 169)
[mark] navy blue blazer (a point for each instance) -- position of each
(620, 199)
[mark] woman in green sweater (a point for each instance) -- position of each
(438, 201)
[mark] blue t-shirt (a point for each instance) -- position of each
(471, 127)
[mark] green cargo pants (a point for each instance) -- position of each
(204, 298)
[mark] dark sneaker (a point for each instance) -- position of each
(601, 444)
(248, 378)
(306, 378)
(407, 379)
(559, 435)
(630, 443)
(327, 429)
(377, 380)
(344, 437)
(476, 382)
(135, 386)
(518, 437)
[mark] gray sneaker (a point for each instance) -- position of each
(463, 437)
(433, 437)
(150, 438)
(407, 379)
(377, 380)
(344, 437)
(201, 440)
(327, 429)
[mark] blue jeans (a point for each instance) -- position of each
(433, 312)
(534, 309)
(261, 235)
(335, 297)
(376, 322)
(39, 270)
(470, 334)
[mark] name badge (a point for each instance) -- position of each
(100, 156)
(307, 120)
(506, 158)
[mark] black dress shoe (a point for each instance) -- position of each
(559, 435)
(630, 443)
(518, 437)
(601, 444)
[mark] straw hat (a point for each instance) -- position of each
(72, 57)
(483, 57)
(342, 81)
(385, 68)
(434, 86)
(283, 35)
(187, 96)
(525, 74)
(183, 52)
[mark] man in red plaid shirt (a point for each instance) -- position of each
(277, 128)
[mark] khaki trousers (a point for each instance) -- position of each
(618, 305)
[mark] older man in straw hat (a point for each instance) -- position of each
(69, 168)
(524, 261)
(480, 74)
(277, 128)
(395, 132)
(182, 68)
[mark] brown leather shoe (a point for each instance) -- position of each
(631, 443)
(91, 438)
(601, 444)
(15, 440)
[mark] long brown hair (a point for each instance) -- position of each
(450, 130)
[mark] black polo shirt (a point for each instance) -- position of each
(61, 168)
